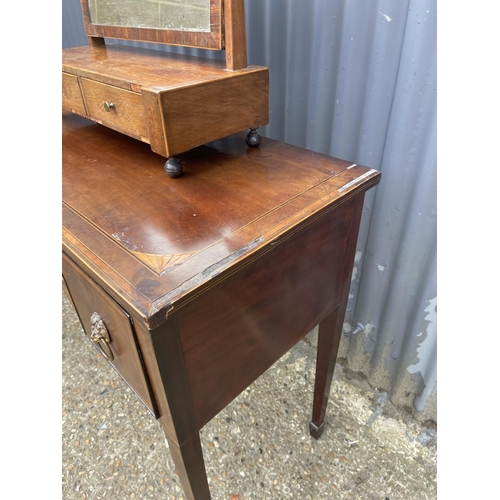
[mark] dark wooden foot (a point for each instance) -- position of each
(173, 167)
(330, 331)
(253, 138)
(316, 431)
(189, 465)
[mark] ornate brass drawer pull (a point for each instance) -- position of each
(108, 106)
(100, 336)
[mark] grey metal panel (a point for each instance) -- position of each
(357, 80)
(73, 33)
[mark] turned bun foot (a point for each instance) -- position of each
(253, 138)
(173, 167)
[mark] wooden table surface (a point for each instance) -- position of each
(220, 272)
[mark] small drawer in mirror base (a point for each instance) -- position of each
(71, 95)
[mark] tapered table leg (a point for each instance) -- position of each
(330, 331)
(190, 466)
(177, 417)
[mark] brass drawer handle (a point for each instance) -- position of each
(108, 106)
(100, 336)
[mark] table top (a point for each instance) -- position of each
(155, 240)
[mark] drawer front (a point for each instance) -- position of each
(116, 108)
(71, 95)
(109, 328)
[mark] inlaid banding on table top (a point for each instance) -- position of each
(122, 213)
(160, 263)
(166, 257)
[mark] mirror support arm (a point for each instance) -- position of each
(235, 34)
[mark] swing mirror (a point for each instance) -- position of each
(191, 23)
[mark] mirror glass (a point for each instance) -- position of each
(179, 15)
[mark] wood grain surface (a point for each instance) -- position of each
(126, 116)
(156, 240)
(235, 34)
(132, 68)
(71, 95)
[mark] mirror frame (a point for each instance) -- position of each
(213, 40)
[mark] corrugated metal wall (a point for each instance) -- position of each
(357, 80)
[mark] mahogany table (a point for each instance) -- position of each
(193, 287)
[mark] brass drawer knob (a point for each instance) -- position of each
(99, 335)
(108, 106)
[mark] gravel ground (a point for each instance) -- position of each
(257, 448)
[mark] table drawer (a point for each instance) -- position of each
(116, 108)
(71, 95)
(110, 329)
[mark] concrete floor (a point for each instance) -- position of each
(257, 448)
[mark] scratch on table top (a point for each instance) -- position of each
(209, 273)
